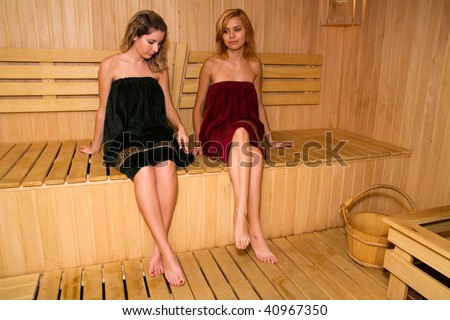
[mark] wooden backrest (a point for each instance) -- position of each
(51, 94)
(45, 80)
(288, 79)
(51, 80)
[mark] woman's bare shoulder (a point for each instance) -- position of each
(211, 64)
(212, 61)
(255, 61)
(112, 60)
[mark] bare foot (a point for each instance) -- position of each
(261, 249)
(172, 270)
(156, 266)
(241, 235)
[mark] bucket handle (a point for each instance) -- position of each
(345, 206)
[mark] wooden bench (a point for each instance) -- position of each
(60, 208)
(420, 259)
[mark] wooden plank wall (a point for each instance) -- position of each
(388, 78)
(72, 225)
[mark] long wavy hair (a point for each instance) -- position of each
(144, 22)
(221, 24)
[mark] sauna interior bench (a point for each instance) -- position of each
(60, 208)
(52, 163)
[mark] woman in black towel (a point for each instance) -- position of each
(132, 126)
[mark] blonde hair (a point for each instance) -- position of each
(144, 22)
(221, 24)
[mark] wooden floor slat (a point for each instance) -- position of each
(282, 283)
(311, 266)
(50, 285)
(216, 280)
(328, 267)
(71, 284)
(309, 288)
(194, 277)
(135, 280)
(337, 237)
(92, 283)
(19, 288)
(346, 266)
(113, 279)
(254, 275)
(329, 288)
(234, 276)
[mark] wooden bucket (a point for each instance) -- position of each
(366, 232)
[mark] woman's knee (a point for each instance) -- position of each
(166, 165)
(241, 134)
(166, 169)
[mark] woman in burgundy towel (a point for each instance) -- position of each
(230, 122)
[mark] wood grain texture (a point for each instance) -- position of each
(222, 273)
(385, 79)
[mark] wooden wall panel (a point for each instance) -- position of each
(387, 78)
(394, 87)
(52, 227)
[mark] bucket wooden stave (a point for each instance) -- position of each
(366, 232)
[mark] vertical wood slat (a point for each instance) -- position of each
(61, 165)
(97, 169)
(71, 284)
(19, 288)
(134, 277)
(240, 285)
(15, 177)
(79, 164)
(8, 161)
(92, 285)
(197, 283)
(50, 285)
(215, 278)
(40, 170)
(5, 148)
(113, 280)
(260, 283)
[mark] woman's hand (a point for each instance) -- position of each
(183, 139)
(198, 150)
(87, 149)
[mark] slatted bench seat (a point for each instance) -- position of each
(40, 163)
(51, 163)
(62, 209)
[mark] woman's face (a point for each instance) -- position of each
(149, 44)
(234, 35)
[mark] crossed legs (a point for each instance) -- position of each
(246, 166)
(156, 190)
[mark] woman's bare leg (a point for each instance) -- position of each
(151, 204)
(239, 170)
(167, 204)
(257, 239)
